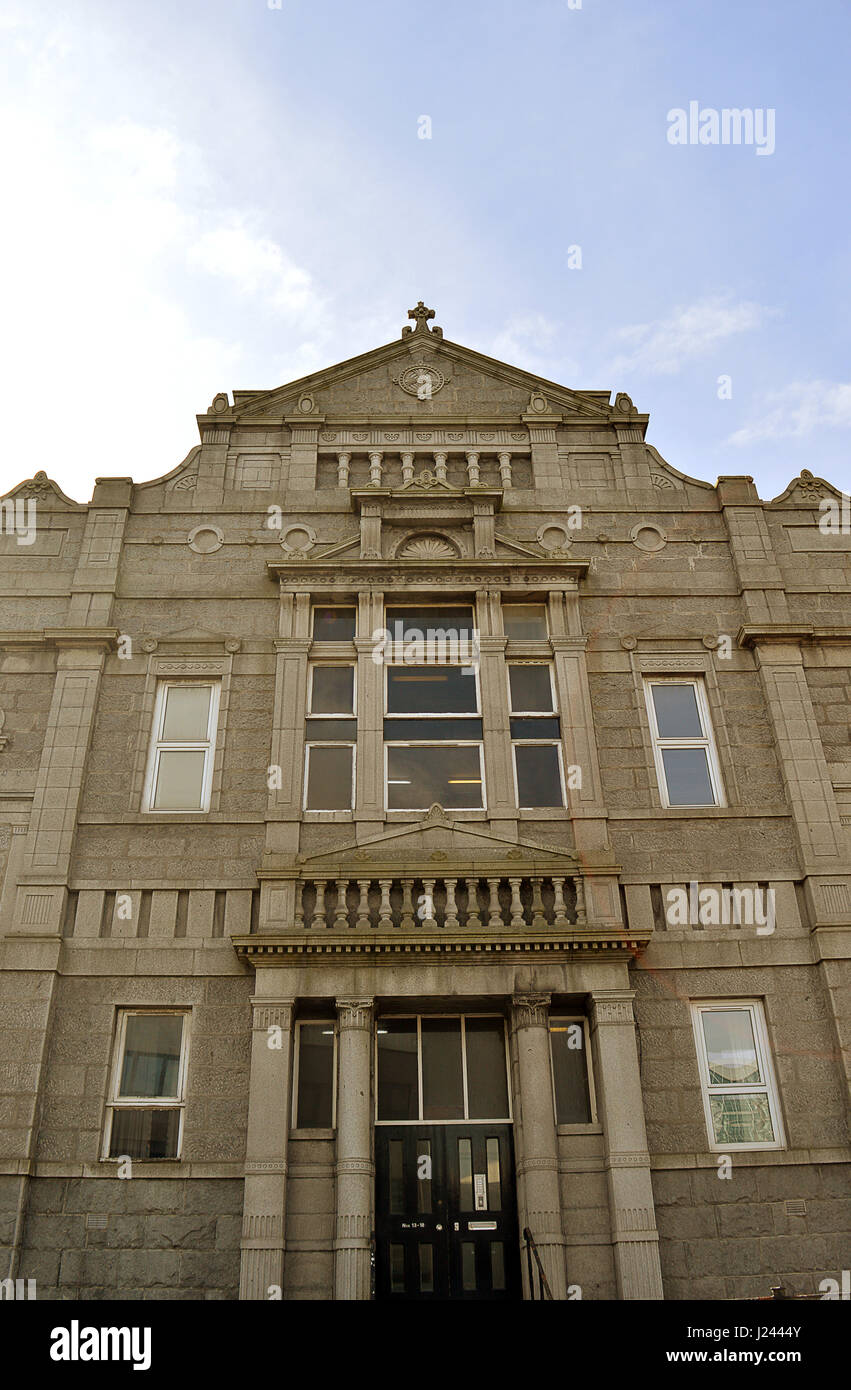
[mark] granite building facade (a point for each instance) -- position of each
(425, 819)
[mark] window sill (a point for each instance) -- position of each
(590, 1128)
(313, 1134)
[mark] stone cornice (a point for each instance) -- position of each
(98, 637)
(752, 633)
(325, 945)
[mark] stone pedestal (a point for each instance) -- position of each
(537, 1159)
(355, 1168)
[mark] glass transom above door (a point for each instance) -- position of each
(442, 1069)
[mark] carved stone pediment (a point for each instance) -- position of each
(435, 846)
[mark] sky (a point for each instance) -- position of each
(202, 195)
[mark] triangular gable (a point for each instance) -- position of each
(437, 844)
(291, 397)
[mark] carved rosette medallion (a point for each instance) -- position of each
(421, 380)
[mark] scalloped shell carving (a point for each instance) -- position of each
(427, 548)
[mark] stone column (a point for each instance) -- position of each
(269, 1106)
(355, 1168)
(537, 1163)
(618, 1086)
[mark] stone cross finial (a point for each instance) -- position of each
(421, 314)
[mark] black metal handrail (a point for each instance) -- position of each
(544, 1290)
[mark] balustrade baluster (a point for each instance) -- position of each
(494, 909)
(473, 918)
(407, 920)
(341, 912)
(581, 918)
(385, 917)
(362, 919)
(517, 918)
(319, 919)
(451, 917)
(428, 891)
(538, 918)
(560, 918)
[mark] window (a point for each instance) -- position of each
(432, 723)
(314, 1086)
(330, 739)
(334, 624)
(332, 690)
(525, 622)
(180, 768)
(145, 1111)
(439, 1068)
(329, 777)
(535, 735)
(739, 1091)
(571, 1071)
(686, 760)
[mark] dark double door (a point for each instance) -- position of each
(446, 1212)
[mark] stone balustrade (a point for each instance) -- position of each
(499, 903)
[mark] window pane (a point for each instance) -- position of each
(677, 714)
(329, 779)
(398, 1087)
(180, 780)
(687, 777)
(333, 690)
(538, 780)
(531, 690)
(487, 1090)
(424, 1171)
(431, 690)
(144, 1133)
(730, 1047)
(315, 1076)
(151, 1064)
(426, 1268)
(333, 624)
(465, 1174)
(741, 1119)
(418, 777)
(331, 730)
(494, 1175)
(525, 621)
(570, 1073)
(187, 713)
(460, 729)
(427, 624)
(443, 1087)
(536, 727)
(397, 1177)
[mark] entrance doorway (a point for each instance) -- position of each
(446, 1213)
(446, 1207)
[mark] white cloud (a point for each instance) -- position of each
(528, 341)
(116, 260)
(798, 410)
(665, 345)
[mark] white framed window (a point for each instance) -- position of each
(574, 1098)
(147, 1093)
(329, 776)
(538, 775)
(535, 735)
(683, 745)
(333, 690)
(531, 689)
(180, 764)
(315, 1075)
(416, 775)
(740, 1097)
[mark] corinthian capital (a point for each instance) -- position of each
(531, 1010)
(355, 1013)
